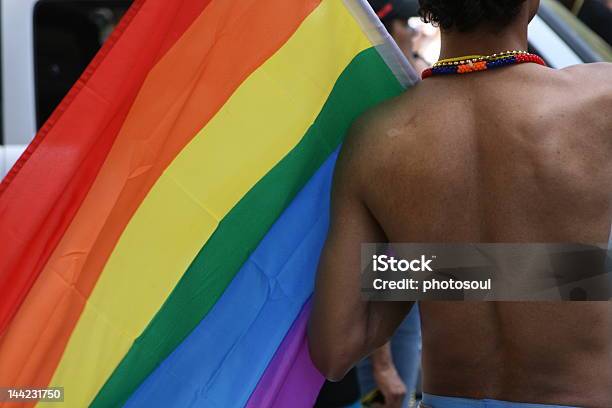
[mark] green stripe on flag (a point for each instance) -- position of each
(366, 82)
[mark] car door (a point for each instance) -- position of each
(45, 46)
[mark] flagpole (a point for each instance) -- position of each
(384, 43)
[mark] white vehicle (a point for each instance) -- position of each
(46, 44)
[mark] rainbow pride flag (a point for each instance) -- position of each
(161, 233)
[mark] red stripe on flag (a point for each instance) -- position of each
(38, 200)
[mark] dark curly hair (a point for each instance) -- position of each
(466, 15)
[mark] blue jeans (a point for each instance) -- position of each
(406, 351)
(434, 401)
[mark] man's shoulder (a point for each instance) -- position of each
(584, 91)
(598, 71)
(580, 107)
(380, 116)
(370, 138)
(377, 126)
(378, 137)
(593, 79)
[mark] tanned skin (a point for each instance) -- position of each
(518, 154)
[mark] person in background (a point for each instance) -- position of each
(394, 14)
(392, 370)
(596, 14)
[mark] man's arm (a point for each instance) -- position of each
(343, 328)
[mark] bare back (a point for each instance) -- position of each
(518, 155)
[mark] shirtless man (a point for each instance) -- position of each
(517, 154)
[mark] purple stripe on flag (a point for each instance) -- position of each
(291, 379)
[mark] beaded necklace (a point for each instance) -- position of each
(475, 63)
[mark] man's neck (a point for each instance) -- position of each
(481, 42)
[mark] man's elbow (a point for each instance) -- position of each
(332, 362)
(331, 366)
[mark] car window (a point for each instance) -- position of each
(67, 35)
(575, 33)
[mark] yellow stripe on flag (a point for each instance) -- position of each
(265, 118)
